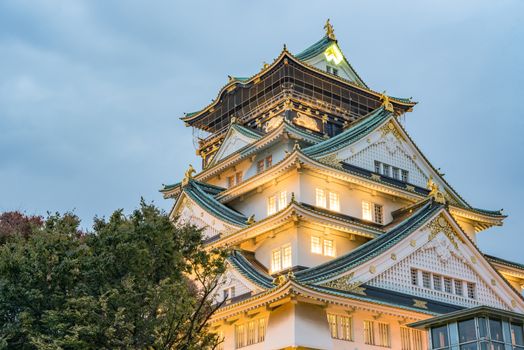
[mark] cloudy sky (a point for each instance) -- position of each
(91, 91)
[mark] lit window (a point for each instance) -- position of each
(240, 336)
(250, 333)
(276, 260)
(316, 247)
(271, 205)
(269, 161)
(340, 327)
(321, 198)
(329, 247)
(471, 290)
(286, 257)
(383, 335)
(334, 201)
(379, 217)
(332, 321)
(261, 329)
(282, 200)
(369, 335)
(366, 211)
(414, 277)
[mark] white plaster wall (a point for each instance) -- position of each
(263, 251)
(256, 202)
(311, 327)
(343, 245)
(350, 199)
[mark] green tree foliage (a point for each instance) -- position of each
(135, 282)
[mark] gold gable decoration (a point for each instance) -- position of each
(330, 32)
(344, 283)
(434, 191)
(440, 224)
(188, 175)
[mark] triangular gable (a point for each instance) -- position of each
(326, 52)
(188, 211)
(389, 144)
(236, 137)
(234, 279)
(438, 247)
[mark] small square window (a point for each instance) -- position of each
(366, 211)
(260, 166)
(320, 198)
(334, 201)
(316, 247)
(379, 217)
(329, 247)
(269, 161)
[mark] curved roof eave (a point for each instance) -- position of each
(286, 54)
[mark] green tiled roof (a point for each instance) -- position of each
(352, 134)
(501, 261)
(246, 269)
(204, 195)
(371, 248)
(251, 133)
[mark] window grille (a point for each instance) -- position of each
(383, 335)
(369, 333)
(320, 198)
(316, 247)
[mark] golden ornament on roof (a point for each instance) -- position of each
(330, 32)
(188, 175)
(388, 106)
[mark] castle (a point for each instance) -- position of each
(343, 234)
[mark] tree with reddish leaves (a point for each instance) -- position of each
(16, 223)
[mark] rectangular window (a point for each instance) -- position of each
(282, 200)
(377, 167)
(229, 292)
(447, 285)
(286, 257)
(458, 287)
(405, 339)
(269, 161)
(276, 260)
(329, 247)
(437, 282)
(517, 335)
(238, 177)
(316, 246)
(332, 322)
(230, 181)
(471, 290)
(440, 337)
(251, 333)
(334, 201)
(260, 166)
(383, 335)
(426, 281)
(369, 333)
(418, 339)
(261, 330)
(366, 211)
(405, 177)
(240, 336)
(321, 198)
(414, 277)
(346, 328)
(396, 173)
(271, 205)
(386, 170)
(379, 217)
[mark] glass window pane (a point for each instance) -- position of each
(471, 346)
(483, 328)
(517, 337)
(439, 336)
(467, 331)
(495, 330)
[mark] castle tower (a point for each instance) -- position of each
(343, 234)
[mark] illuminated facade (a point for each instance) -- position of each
(344, 236)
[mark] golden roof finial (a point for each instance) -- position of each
(388, 106)
(330, 32)
(434, 191)
(188, 175)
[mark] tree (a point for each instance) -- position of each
(134, 282)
